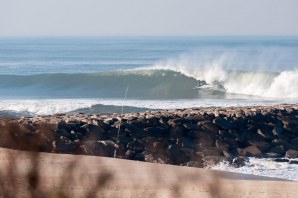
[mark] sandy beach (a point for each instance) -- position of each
(76, 176)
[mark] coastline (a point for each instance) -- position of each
(169, 139)
(77, 176)
(196, 137)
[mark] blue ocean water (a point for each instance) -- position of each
(51, 75)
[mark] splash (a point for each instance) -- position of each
(228, 68)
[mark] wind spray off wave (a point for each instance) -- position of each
(251, 78)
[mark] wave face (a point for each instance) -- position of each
(154, 84)
(52, 75)
(142, 84)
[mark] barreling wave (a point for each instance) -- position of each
(152, 84)
(158, 82)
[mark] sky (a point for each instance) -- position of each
(148, 17)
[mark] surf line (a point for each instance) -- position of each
(117, 139)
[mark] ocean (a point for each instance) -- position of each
(42, 76)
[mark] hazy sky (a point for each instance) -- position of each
(148, 17)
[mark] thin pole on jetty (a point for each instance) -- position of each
(117, 139)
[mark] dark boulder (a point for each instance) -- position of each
(212, 151)
(293, 162)
(279, 149)
(100, 148)
(224, 123)
(261, 145)
(95, 132)
(155, 131)
(64, 145)
(176, 132)
(190, 126)
(272, 155)
(210, 127)
(252, 151)
(266, 133)
(178, 155)
(197, 164)
(294, 142)
(278, 131)
(285, 144)
(139, 157)
(137, 146)
(239, 162)
(292, 154)
(281, 160)
(212, 160)
(222, 144)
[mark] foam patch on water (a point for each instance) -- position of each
(53, 106)
(44, 107)
(263, 167)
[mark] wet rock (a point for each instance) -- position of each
(212, 160)
(279, 149)
(176, 132)
(190, 126)
(210, 127)
(100, 148)
(261, 145)
(61, 133)
(294, 142)
(212, 151)
(222, 144)
(139, 157)
(206, 139)
(155, 131)
(178, 155)
(281, 160)
(197, 164)
(187, 142)
(129, 154)
(95, 132)
(266, 133)
(137, 147)
(285, 144)
(293, 162)
(292, 153)
(272, 155)
(278, 131)
(64, 145)
(239, 162)
(231, 142)
(252, 151)
(223, 123)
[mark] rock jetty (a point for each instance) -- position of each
(195, 137)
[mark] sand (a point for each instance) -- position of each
(133, 178)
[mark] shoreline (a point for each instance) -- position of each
(196, 137)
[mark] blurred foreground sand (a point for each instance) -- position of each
(77, 175)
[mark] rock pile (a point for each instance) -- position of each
(190, 137)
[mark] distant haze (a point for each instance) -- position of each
(148, 17)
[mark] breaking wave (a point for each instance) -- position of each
(158, 82)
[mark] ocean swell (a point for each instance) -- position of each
(159, 82)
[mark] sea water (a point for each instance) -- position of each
(42, 76)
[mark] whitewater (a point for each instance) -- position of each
(44, 76)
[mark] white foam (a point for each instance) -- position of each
(44, 107)
(263, 167)
(218, 66)
(52, 106)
